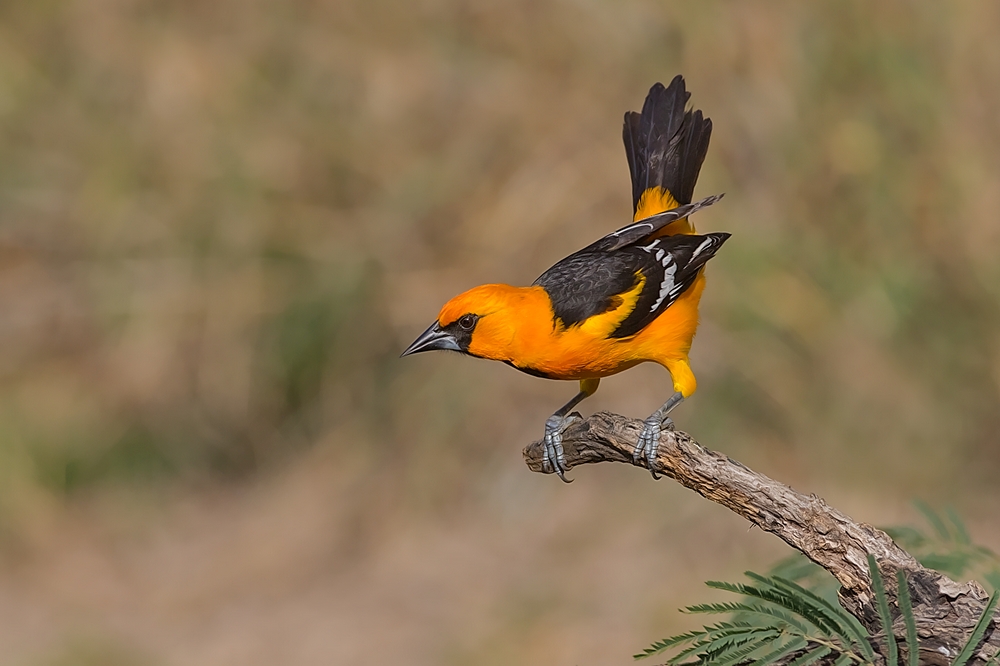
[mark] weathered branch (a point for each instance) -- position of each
(946, 610)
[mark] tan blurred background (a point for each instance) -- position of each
(220, 222)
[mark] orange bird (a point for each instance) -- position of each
(628, 298)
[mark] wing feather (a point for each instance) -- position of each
(638, 281)
(637, 231)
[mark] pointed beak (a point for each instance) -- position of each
(431, 339)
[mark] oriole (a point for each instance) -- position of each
(628, 298)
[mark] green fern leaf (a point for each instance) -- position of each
(731, 641)
(660, 646)
(758, 612)
(700, 644)
(726, 607)
(739, 633)
(847, 623)
(728, 627)
(780, 598)
(697, 648)
(808, 606)
(680, 656)
(778, 614)
(811, 657)
(977, 631)
(718, 636)
(845, 660)
(794, 615)
(778, 653)
(735, 588)
(738, 653)
(721, 639)
(883, 611)
(906, 608)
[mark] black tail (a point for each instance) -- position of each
(666, 145)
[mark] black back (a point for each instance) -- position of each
(591, 281)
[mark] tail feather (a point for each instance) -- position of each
(666, 147)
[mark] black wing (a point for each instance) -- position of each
(591, 282)
(672, 265)
(588, 283)
(635, 232)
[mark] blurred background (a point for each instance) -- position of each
(220, 223)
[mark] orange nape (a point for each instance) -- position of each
(517, 325)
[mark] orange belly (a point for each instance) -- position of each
(577, 353)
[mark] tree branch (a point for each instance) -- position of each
(945, 610)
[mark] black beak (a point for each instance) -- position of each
(431, 339)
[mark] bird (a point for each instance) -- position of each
(630, 297)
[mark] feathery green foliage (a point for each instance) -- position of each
(792, 615)
(778, 618)
(892, 654)
(906, 609)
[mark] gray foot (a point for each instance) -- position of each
(649, 440)
(553, 459)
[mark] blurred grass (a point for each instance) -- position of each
(211, 216)
(220, 222)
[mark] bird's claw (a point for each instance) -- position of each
(649, 440)
(553, 459)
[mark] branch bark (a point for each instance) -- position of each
(946, 610)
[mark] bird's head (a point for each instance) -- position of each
(480, 322)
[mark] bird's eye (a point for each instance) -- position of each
(467, 322)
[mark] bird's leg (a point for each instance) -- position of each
(650, 437)
(553, 458)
